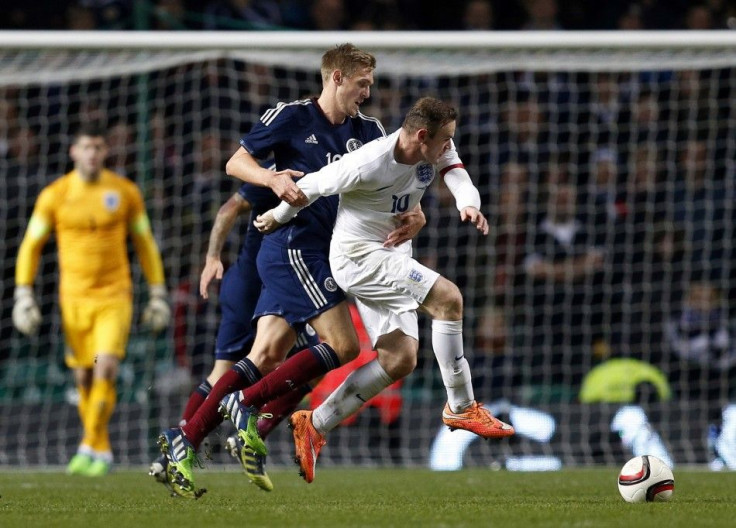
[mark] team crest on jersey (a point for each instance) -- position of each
(330, 284)
(111, 200)
(425, 173)
(416, 275)
(353, 144)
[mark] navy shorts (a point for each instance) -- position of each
(239, 293)
(297, 283)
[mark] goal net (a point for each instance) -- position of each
(598, 312)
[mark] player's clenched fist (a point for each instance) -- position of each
(157, 313)
(266, 223)
(26, 315)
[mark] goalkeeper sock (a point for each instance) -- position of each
(357, 389)
(280, 408)
(447, 343)
(299, 369)
(195, 400)
(243, 374)
(82, 407)
(101, 405)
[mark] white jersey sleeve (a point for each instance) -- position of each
(337, 177)
(458, 180)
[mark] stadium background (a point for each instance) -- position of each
(646, 153)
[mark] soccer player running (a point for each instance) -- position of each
(298, 287)
(239, 292)
(92, 210)
(386, 177)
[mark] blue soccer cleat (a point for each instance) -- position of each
(245, 420)
(181, 457)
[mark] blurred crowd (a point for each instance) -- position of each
(323, 15)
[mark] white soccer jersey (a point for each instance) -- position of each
(373, 189)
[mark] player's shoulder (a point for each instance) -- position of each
(369, 123)
(373, 154)
(58, 186)
(287, 111)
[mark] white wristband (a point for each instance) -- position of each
(157, 290)
(284, 212)
(22, 291)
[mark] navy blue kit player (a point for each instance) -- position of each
(298, 287)
(239, 292)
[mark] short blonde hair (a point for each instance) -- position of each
(348, 59)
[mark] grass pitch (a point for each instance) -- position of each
(362, 498)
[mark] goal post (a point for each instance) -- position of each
(605, 166)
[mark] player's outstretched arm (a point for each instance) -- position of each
(245, 167)
(467, 197)
(228, 213)
(157, 314)
(26, 313)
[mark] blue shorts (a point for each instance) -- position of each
(297, 283)
(239, 292)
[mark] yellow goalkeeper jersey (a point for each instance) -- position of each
(92, 221)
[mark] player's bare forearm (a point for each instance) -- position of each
(245, 167)
(266, 223)
(224, 222)
(410, 223)
(475, 217)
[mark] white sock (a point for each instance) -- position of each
(359, 387)
(447, 342)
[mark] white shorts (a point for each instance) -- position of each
(388, 286)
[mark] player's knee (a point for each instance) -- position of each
(448, 305)
(106, 367)
(346, 348)
(399, 364)
(266, 360)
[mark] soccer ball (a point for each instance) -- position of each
(646, 479)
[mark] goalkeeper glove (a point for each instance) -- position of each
(157, 313)
(26, 315)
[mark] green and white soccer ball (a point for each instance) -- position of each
(646, 479)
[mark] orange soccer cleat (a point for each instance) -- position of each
(478, 420)
(307, 441)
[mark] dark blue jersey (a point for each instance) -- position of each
(261, 199)
(300, 137)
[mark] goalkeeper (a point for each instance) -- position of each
(92, 210)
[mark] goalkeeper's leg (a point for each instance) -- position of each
(83, 458)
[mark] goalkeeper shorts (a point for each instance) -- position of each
(95, 326)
